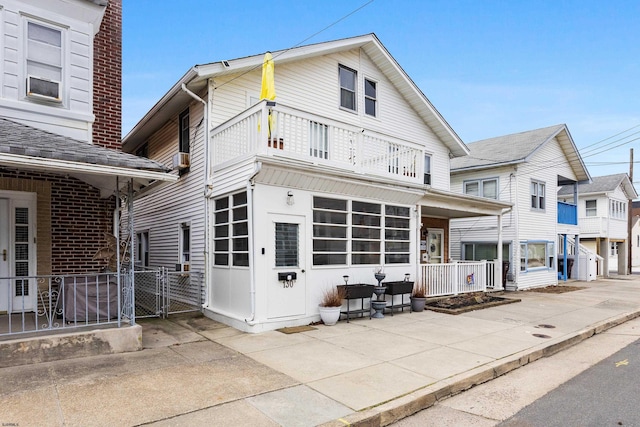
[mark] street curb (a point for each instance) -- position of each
(402, 407)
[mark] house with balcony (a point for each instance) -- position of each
(345, 172)
(603, 214)
(62, 173)
(526, 169)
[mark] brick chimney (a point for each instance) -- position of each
(107, 78)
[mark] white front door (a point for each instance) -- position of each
(286, 284)
(435, 246)
(17, 252)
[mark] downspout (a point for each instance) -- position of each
(516, 214)
(206, 182)
(252, 244)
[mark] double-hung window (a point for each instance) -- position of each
(183, 123)
(44, 60)
(537, 195)
(482, 187)
(348, 78)
(427, 169)
(370, 97)
(591, 208)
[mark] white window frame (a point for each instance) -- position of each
(427, 169)
(184, 250)
(64, 61)
(344, 88)
(373, 98)
(233, 224)
(538, 201)
(481, 184)
(591, 211)
(549, 255)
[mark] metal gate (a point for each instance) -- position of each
(160, 292)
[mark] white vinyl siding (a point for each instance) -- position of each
(71, 64)
(297, 83)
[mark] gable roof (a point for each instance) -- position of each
(604, 184)
(176, 100)
(26, 147)
(519, 148)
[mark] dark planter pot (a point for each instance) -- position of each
(417, 304)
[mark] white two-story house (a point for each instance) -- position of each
(603, 213)
(345, 172)
(525, 169)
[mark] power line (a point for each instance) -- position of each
(301, 42)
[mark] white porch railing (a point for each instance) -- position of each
(280, 130)
(458, 277)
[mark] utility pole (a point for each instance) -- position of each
(630, 218)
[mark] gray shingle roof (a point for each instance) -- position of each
(599, 184)
(506, 149)
(23, 140)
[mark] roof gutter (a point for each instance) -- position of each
(53, 165)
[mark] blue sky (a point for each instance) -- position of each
(490, 67)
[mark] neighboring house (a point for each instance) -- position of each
(347, 171)
(525, 169)
(603, 214)
(61, 167)
(635, 241)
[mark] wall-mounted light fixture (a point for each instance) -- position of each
(290, 201)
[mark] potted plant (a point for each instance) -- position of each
(330, 305)
(418, 298)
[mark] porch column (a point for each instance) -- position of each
(564, 256)
(576, 257)
(498, 272)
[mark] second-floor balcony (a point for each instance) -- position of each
(598, 226)
(567, 213)
(279, 130)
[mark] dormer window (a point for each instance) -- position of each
(348, 78)
(44, 61)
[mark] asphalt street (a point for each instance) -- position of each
(604, 395)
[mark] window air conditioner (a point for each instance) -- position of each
(39, 87)
(181, 161)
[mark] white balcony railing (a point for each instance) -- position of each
(280, 130)
(598, 226)
(458, 277)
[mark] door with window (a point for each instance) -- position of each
(286, 289)
(17, 253)
(435, 246)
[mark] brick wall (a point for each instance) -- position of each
(107, 78)
(71, 221)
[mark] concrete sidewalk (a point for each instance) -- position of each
(194, 371)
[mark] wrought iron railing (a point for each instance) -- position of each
(57, 302)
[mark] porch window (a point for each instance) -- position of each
(370, 97)
(427, 169)
(329, 231)
(365, 233)
(537, 195)
(347, 88)
(397, 235)
(484, 251)
(44, 59)
(318, 140)
(591, 208)
(537, 255)
(613, 249)
(359, 233)
(231, 231)
(482, 187)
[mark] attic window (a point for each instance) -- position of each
(370, 97)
